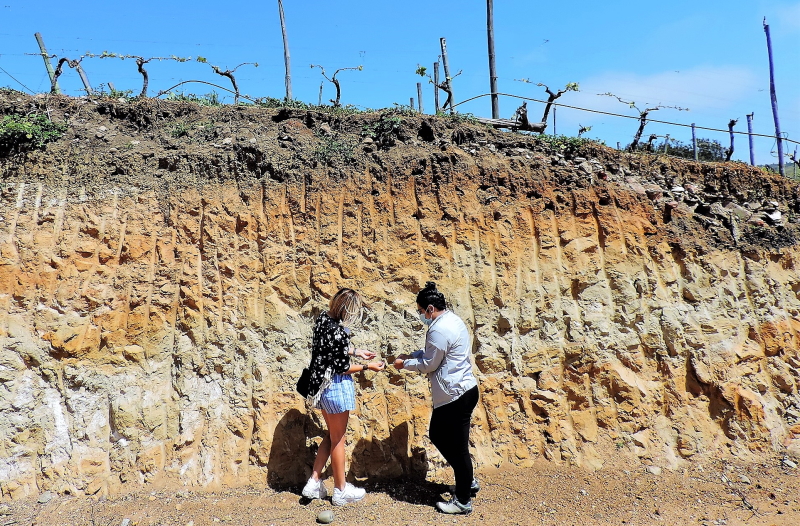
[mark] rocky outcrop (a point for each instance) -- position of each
(156, 300)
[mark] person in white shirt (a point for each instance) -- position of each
(446, 361)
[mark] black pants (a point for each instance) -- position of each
(449, 432)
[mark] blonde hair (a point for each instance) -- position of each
(346, 307)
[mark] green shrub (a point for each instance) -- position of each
(707, 150)
(23, 132)
(209, 99)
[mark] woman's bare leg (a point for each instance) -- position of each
(323, 453)
(337, 427)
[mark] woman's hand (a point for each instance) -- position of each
(376, 366)
(398, 363)
(364, 354)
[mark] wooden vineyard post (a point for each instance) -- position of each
(419, 97)
(286, 57)
(492, 65)
(447, 78)
(694, 142)
(554, 120)
(411, 103)
(774, 99)
(750, 139)
(321, 84)
(50, 72)
(436, 85)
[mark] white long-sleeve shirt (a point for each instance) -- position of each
(445, 359)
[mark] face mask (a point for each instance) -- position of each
(424, 320)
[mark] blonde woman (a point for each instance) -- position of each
(331, 390)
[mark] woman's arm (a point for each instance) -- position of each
(360, 367)
(431, 357)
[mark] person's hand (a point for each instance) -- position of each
(398, 363)
(364, 354)
(376, 366)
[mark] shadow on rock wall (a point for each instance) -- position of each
(290, 458)
(393, 466)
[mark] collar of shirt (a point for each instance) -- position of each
(439, 317)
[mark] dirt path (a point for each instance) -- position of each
(748, 494)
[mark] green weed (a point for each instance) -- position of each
(564, 143)
(385, 131)
(23, 132)
(333, 148)
(205, 131)
(178, 130)
(209, 99)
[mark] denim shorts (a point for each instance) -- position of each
(340, 396)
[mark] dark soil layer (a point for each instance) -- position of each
(168, 145)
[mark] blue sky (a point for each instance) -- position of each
(707, 56)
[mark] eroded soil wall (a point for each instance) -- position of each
(156, 301)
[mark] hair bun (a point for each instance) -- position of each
(430, 285)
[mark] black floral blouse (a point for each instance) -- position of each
(329, 353)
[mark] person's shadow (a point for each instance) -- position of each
(391, 465)
(394, 467)
(290, 457)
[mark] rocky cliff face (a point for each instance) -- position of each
(157, 292)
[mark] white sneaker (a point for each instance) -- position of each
(349, 494)
(314, 489)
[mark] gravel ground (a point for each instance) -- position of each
(714, 493)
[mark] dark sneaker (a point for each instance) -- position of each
(474, 488)
(453, 507)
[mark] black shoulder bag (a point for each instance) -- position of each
(303, 381)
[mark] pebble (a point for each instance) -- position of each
(227, 140)
(325, 517)
(583, 492)
(655, 470)
(45, 497)
(789, 463)
(744, 479)
(5, 509)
